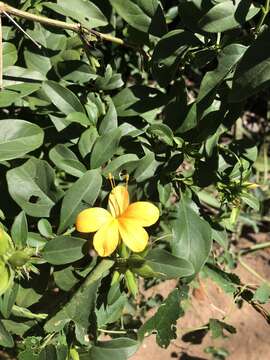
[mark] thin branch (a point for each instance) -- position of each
(1, 53)
(76, 27)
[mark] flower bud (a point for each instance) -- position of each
(131, 282)
(20, 257)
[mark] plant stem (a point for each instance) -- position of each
(252, 271)
(60, 24)
(256, 247)
(112, 331)
(1, 54)
(265, 11)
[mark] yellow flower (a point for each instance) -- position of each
(124, 221)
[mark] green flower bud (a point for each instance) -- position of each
(20, 257)
(5, 242)
(5, 277)
(131, 282)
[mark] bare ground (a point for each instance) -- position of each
(251, 342)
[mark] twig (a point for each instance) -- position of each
(252, 271)
(1, 53)
(22, 30)
(256, 248)
(60, 24)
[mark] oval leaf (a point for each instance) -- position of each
(63, 250)
(18, 137)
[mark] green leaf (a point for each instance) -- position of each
(82, 194)
(109, 121)
(18, 137)
(164, 321)
(87, 141)
(37, 62)
(9, 54)
(37, 192)
(228, 15)
(145, 167)
(45, 228)
(19, 230)
(146, 16)
(8, 300)
(66, 160)
(225, 280)
(161, 264)
(116, 349)
(253, 72)
(161, 132)
(81, 305)
(227, 59)
(64, 99)
(84, 12)
(108, 314)
(262, 294)
(138, 100)
(118, 163)
(251, 200)
(63, 250)
(5, 338)
(105, 147)
(217, 327)
(192, 235)
(168, 53)
(65, 278)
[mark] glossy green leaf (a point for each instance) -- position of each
(82, 194)
(159, 263)
(253, 72)
(19, 230)
(87, 141)
(81, 305)
(168, 53)
(228, 15)
(37, 192)
(84, 12)
(66, 160)
(63, 250)
(146, 16)
(227, 59)
(192, 235)
(18, 137)
(9, 54)
(64, 99)
(105, 147)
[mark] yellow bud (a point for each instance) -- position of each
(250, 185)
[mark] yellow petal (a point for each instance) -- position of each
(133, 235)
(143, 212)
(107, 238)
(118, 200)
(90, 220)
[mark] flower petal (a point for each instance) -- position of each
(90, 220)
(133, 235)
(118, 200)
(143, 212)
(107, 238)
